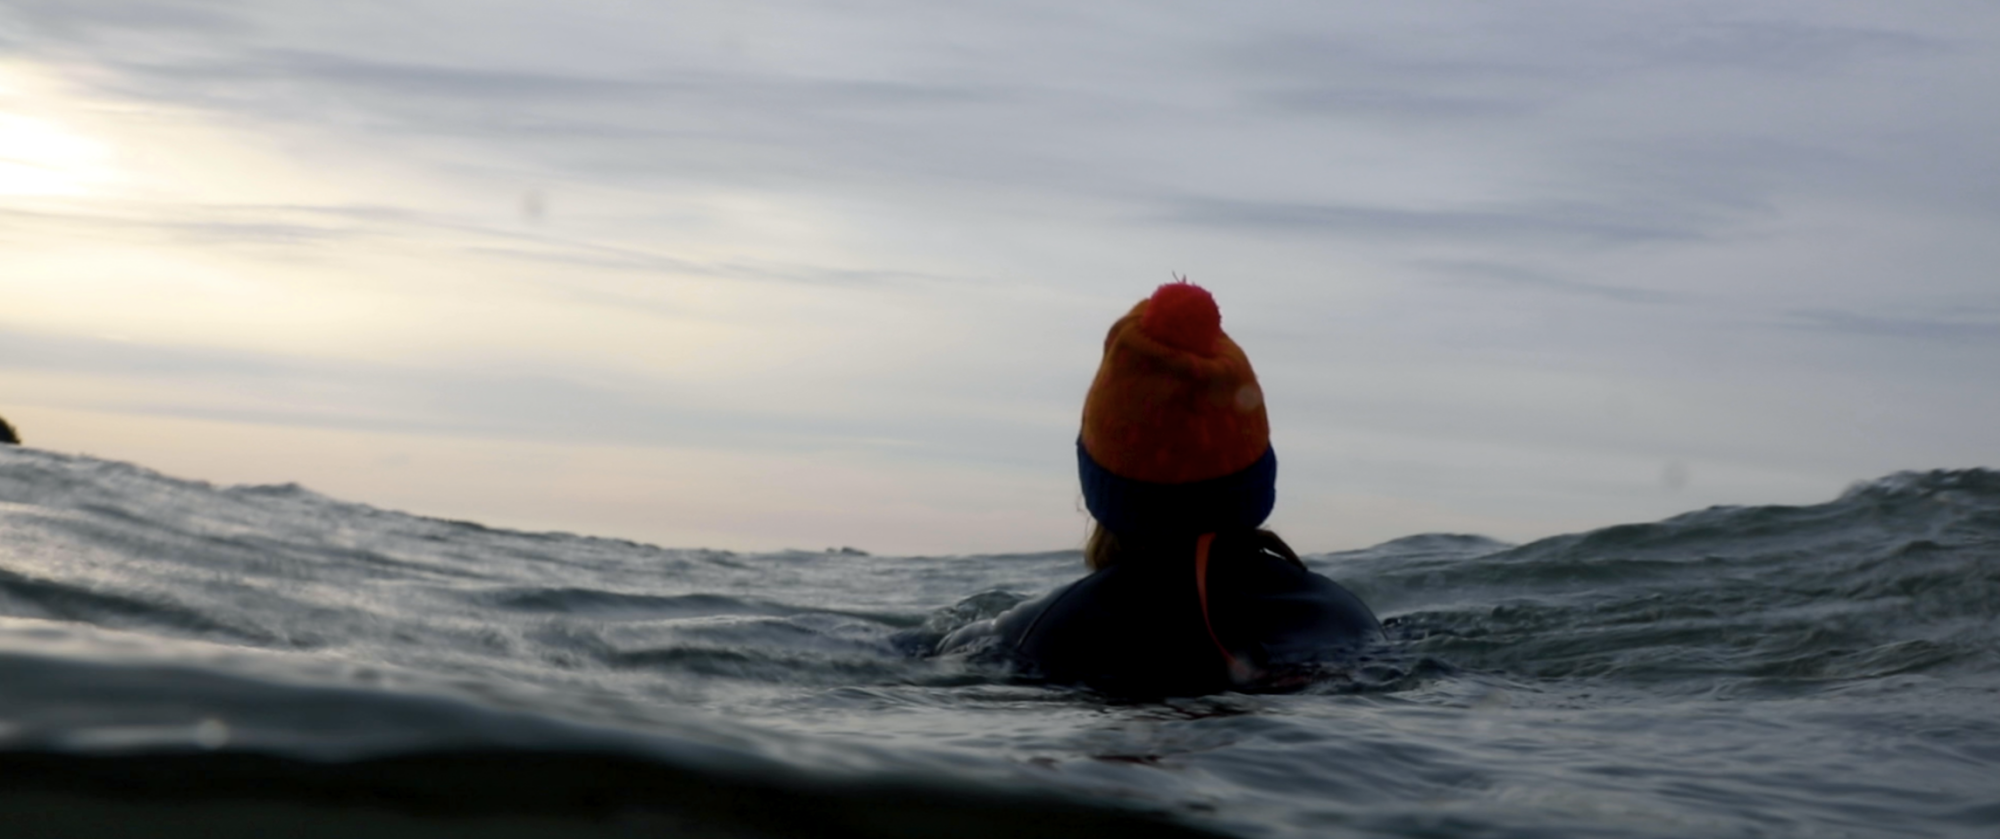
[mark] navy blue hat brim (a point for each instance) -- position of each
(1238, 501)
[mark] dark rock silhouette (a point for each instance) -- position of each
(7, 435)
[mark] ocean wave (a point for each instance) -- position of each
(1761, 670)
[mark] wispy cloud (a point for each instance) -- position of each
(1570, 47)
(1574, 223)
(1965, 327)
(1517, 277)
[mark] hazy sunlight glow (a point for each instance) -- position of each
(38, 157)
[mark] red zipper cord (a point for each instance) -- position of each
(1238, 670)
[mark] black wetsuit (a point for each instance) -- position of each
(1136, 628)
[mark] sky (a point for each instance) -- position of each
(766, 275)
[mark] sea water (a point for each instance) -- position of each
(178, 658)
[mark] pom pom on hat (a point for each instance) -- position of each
(1183, 315)
(1174, 431)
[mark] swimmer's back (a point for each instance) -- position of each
(1137, 627)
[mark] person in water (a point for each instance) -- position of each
(1187, 593)
(7, 435)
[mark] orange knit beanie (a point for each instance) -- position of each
(1175, 437)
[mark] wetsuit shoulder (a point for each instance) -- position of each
(1277, 612)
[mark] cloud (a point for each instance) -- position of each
(282, 72)
(1786, 47)
(1573, 222)
(615, 258)
(569, 404)
(1391, 102)
(214, 223)
(87, 20)
(1513, 276)
(1041, 119)
(1563, 47)
(1958, 329)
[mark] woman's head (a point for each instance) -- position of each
(1175, 440)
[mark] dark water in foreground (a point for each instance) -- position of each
(182, 659)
